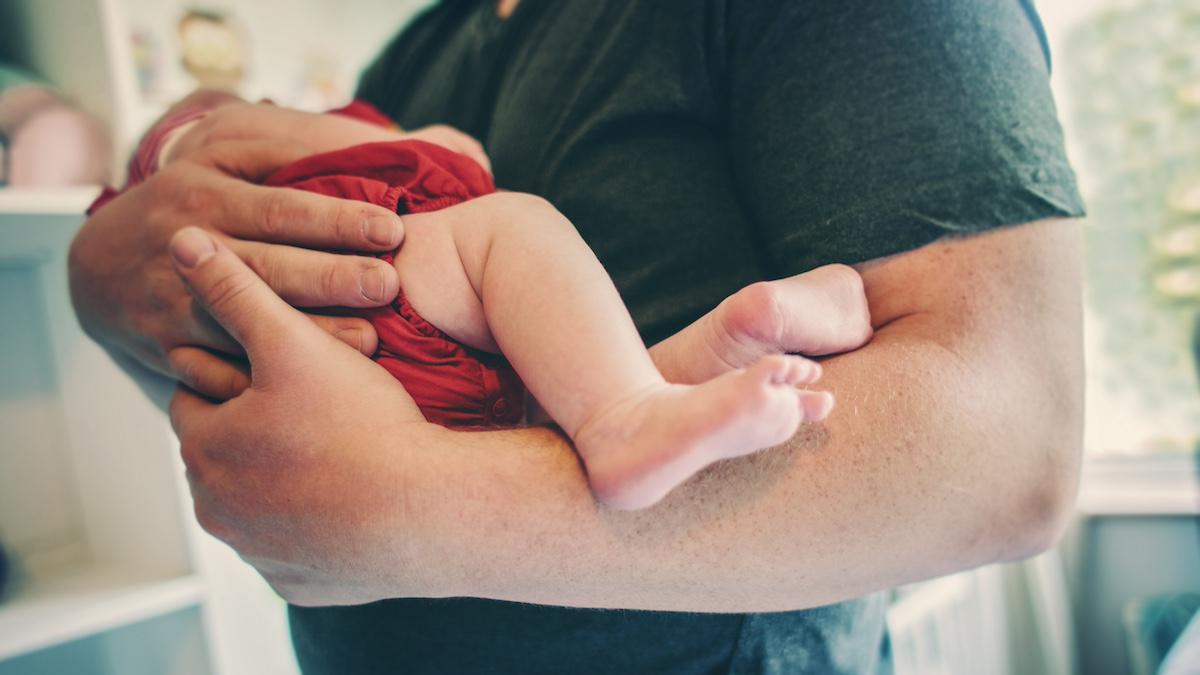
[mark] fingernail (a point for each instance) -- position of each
(191, 246)
(371, 284)
(382, 230)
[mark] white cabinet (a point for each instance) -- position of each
(114, 576)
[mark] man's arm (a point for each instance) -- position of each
(955, 443)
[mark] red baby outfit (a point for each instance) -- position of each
(454, 385)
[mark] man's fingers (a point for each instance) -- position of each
(208, 374)
(307, 278)
(235, 296)
(251, 160)
(286, 216)
(320, 132)
(189, 413)
(358, 333)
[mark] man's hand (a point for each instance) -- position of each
(128, 297)
(241, 121)
(298, 370)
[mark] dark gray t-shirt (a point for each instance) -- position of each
(699, 146)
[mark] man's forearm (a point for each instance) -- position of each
(944, 453)
(912, 478)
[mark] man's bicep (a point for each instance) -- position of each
(1018, 279)
(1005, 307)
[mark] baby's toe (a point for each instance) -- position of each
(816, 405)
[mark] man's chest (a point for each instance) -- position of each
(558, 83)
(612, 112)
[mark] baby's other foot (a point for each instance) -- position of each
(820, 312)
(823, 311)
(640, 449)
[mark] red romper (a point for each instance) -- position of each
(453, 384)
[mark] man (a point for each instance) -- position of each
(697, 147)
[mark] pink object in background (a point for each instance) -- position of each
(49, 142)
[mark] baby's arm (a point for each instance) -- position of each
(823, 311)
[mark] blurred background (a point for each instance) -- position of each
(104, 570)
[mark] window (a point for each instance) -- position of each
(1127, 79)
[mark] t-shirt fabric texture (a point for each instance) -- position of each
(698, 147)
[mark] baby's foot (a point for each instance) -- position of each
(820, 312)
(640, 449)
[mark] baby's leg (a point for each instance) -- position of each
(555, 314)
(823, 311)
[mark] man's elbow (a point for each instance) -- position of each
(1047, 512)
(1045, 503)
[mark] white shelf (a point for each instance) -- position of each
(86, 601)
(64, 201)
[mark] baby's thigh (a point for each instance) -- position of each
(436, 284)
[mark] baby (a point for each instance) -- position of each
(532, 290)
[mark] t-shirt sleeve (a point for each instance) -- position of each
(861, 129)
